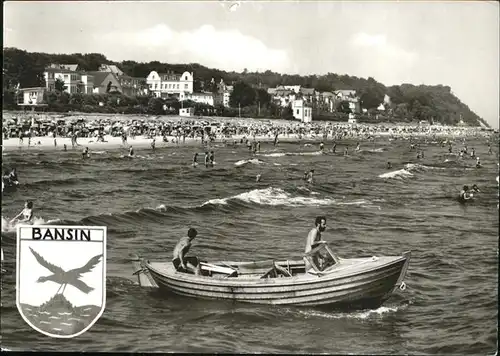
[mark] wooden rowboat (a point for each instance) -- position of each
(331, 281)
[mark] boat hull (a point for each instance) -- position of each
(361, 285)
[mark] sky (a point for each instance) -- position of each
(450, 43)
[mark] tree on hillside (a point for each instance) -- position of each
(22, 68)
(343, 106)
(263, 97)
(59, 85)
(243, 95)
(155, 106)
(371, 98)
(287, 113)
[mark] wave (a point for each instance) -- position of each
(374, 150)
(399, 174)
(271, 196)
(282, 154)
(59, 182)
(364, 314)
(293, 197)
(7, 226)
(275, 154)
(248, 161)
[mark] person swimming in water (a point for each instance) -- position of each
(389, 165)
(310, 176)
(10, 180)
(357, 147)
(153, 143)
(321, 146)
(478, 163)
(207, 159)
(85, 153)
(13, 177)
(211, 158)
(195, 159)
(131, 152)
(465, 194)
(257, 177)
(275, 139)
(26, 213)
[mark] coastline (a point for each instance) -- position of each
(46, 143)
(377, 131)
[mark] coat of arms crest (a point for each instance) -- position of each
(61, 277)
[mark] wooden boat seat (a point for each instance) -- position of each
(276, 272)
(215, 269)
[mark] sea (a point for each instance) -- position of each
(450, 305)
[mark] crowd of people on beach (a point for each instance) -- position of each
(30, 126)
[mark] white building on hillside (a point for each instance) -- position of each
(294, 88)
(205, 98)
(74, 82)
(31, 97)
(302, 110)
(186, 112)
(164, 84)
(226, 95)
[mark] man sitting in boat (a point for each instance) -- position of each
(180, 251)
(314, 237)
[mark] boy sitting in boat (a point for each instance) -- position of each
(181, 249)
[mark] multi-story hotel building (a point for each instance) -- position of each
(165, 84)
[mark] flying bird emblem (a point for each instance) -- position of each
(64, 278)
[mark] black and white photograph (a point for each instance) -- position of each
(241, 177)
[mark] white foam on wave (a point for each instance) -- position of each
(353, 315)
(275, 154)
(277, 196)
(399, 174)
(7, 226)
(272, 196)
(282, 154)
(315, 153)
(249, 161)
(376, 150)
(361, 202)
(420, 167)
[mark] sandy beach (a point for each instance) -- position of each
(47, 143)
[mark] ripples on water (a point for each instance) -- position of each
(450, 305)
